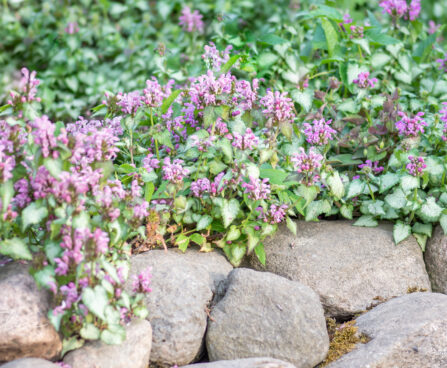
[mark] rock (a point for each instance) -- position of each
(351, 268)
(244, 363)
(25, 330)
(263, 314)
(30, 363)
(133, 353)
(436, 260)
(182, 289)
(407, 332)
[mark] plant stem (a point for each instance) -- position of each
(156, 142)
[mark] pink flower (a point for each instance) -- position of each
(363, 80)
(174, 172)
(308, 164)
(153, 94)
(319, 132)
(257, 189)
(410, 127)
(277, 106)
(72, 28)
(416, 166)
(150, 162)
(369, 166)
(141, 282)
(395, 8)
(191, 21)
(246, 141)
(214, 58)
(129, 102)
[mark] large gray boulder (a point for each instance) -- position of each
(134, 352)
(244, 363)
(436, 260)
(183, 285)
(263, 314)
(25, 330)
(407, 332)
(351, 268)
(30, 363)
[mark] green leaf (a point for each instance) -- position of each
(233, 234)
(375, 36)
(148, 191)
(430, 210)
(114, 335)
(227, 66)
(291, 225)
(54, 166)
(424, 47)
(376, 208)
(15, 248)
(308, 193)
(397, 199)
(275, 176)
(366, 221)
(197, 238)
(182, 241)
(346, 211)
(260, 253)
(169, 100)
(316, 208)
(356, 187)
(6, 194)
(204, 222)
(237, 253)
(227, 149)
(401, 232)
(33, 214)
(336, 185)
(422, 240)
(96, 300)
(304, 98)
(89, 332)
(272, 39)
(230, 209)
(69, 344)
(424, 229)
(387, 181)
(443, 222)
(266, 60)
(331, 35)
(409, 182)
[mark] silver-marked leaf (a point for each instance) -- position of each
(401, 232)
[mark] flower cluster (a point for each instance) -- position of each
(174, 171)
(274, 215)
(214, 58)
(277, 106)
(443, 118)
(141, 282)
(416, 165)
(191, 21)
(319, 133)
(442, 63)
(410, 127)
(400, 8)
(257, 189)
(370, 166)
(308, 164)
(246, 141)
(363, 80)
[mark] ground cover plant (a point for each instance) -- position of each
(311, 115)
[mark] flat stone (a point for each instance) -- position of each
(30, 363)
(134, 352)
(244, 363)
(406, 332)
(25, 330)
(436, 260)
(351, 268)
(183, 285)
(263, 314)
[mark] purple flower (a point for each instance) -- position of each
(153, 94)
(22, 197)
(319, 132)
(257, 189)
(72, 28)
(415, 9)
(214, 58)
(433, 27)
(347, 19)
(410, 127)
(174, 172)
(191, 21)
(416, 166)
(395, 8)
(308, 165)
(207, 90)
(443, 63)
(369, 166)
(274, 215)
(202, 144)
(200, 186)
(246, 141)
(102, 241)
(129, 102)
(363, 80)
(150, 162)
(356, 32)
(7, 164)
(443, 118)
(141, 282)
(277, 106)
